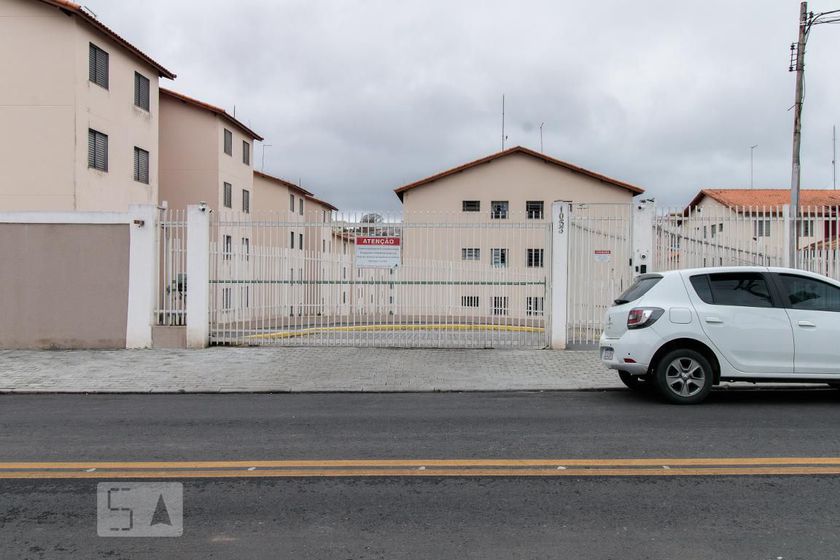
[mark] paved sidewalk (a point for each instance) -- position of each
(300, 369)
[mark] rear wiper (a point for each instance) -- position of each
(621, 301)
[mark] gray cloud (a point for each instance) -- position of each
(360, 96)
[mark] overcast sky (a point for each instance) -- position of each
(357, 97)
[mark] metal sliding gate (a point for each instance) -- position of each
(460, 280)
(600, 249)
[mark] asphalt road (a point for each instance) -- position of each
(768, 516)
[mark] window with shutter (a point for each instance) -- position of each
(98, 66)
(141, 165)
(228, 142)
(228, 196)
(141, 91)
(97, 150)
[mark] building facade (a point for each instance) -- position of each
(79, 108)
(206, 155)
(494, 243)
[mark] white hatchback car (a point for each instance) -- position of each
(686, 330)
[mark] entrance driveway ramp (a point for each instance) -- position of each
(222, 369)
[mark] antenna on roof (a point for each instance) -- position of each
(234, 111)
(90, 12)
(503, 123)
(834, 157)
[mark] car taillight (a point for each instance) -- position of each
(641, 317)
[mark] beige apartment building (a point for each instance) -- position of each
(747, 225)
(489, 260)
(309, 246)
(79, 110)
(206, 155)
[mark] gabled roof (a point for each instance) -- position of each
(75, 9)
(282, 182)
(213, 109)
(321, 202)
(740, 198)
(519, 150)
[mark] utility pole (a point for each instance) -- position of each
(834, 157)
(752, 148)
(806, 22)
(797, 135)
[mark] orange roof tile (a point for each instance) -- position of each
(77, 10)
(519, 150)
(738, 198)
(213, 109)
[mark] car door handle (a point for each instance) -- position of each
(806, 324)
(713, 320)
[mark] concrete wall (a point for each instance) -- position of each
(64, 285)
(47, 105)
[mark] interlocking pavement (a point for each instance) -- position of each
(224, 369)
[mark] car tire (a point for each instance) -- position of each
(684, 376)
(635, 382)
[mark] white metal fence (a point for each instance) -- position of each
(723, 236)
(171, 309)
(463, 280)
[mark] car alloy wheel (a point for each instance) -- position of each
(684, 376)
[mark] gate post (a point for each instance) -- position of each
(560, 221)
(198, 276)
(142, 275)
(787, 240)
(644, 213)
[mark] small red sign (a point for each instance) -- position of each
(382, 241)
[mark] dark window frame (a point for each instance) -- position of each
(141, 82)
(141, 175)
(532, 213)
(99, 66)
(470, 206)
(470, 253)
(227, 195)
(504, 257)
(228, 142)
(246, 201)
(500, 213)
(246, 152)
(94, 161)
(534, 258)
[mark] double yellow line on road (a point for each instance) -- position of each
(739, 466)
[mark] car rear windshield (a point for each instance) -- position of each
(640, 287)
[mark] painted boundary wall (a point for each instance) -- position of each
(77, 279)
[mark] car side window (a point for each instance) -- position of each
(810, 294)
(702, 287)
(743, 289)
